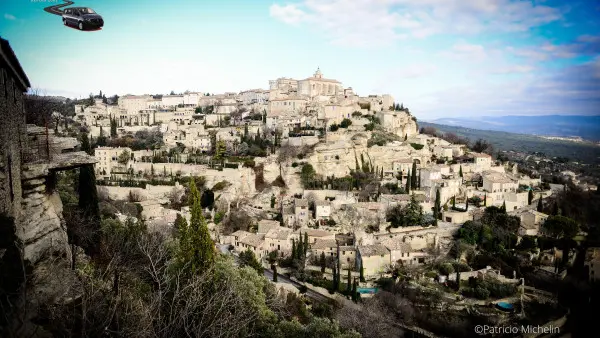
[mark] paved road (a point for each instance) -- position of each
(56, 9)
(319, 297)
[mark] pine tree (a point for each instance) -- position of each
(322, 262)
(196, 248)
(540, 205)
(85, 144)
(407, 189)
(530, 197)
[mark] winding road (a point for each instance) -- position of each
(56, 9)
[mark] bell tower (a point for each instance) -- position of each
(318, 74)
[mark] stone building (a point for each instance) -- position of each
(31, 223)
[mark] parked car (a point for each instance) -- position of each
(82, 18)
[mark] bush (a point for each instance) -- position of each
(294, 164)
(219, 217)
(334, 127)
(356, 114)
(220, 185)
(416, 146)
(249, 163)
(345, 123)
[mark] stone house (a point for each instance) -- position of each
(326, 246)
(457, 217)
(278, 239)
(301, 212)
(244, 240)
(592, 263)
(374, 259)
(399, 251)
(322, 210)
(531, 221)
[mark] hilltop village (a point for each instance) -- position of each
(333, 195)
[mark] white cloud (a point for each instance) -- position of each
(9, 17)
(368, 22)
(289, 13)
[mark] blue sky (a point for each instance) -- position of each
(439, 57)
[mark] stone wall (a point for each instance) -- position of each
(43, 229)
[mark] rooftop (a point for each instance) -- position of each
(251, 239)
(396, 244)
(313, 232)
(279, 233)
(373, 250)
(301, 202)
(323, 244)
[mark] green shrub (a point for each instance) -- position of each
(416, 146)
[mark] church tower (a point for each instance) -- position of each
(318, 74)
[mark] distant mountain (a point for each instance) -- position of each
(586, 127)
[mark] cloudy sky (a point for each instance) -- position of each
(441, 58)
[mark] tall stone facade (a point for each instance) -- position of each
(13, 82)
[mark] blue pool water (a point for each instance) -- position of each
(367, 290)
(505, 306)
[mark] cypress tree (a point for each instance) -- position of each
(336, 279)
(333, 289)
(408, 184)
(457, 279)
(540, 205)
(305, 247)
(436, 207)
(460, 172)
(356, 160)
(467, 205)
(354, 291)
(293, 249)
(530, 197)
(197, 248)
(362, 274)
(503, 208)
(453, 202)
(85, 144)
(485, 200)
(272, 201)
(349, 284)
(322, 262)
(275, 273)
(413, 176)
